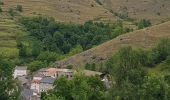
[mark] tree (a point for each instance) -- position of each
(22, 50)
(36, 65)
(63, 88)
(1, 2)
(48, 56)
(36, 48)
(80, 87)
(76, 50)
(161, 51)
(19, 8)
(0, 9)
(155, 88)
(126, 67)
(144, 23)
(9, 88)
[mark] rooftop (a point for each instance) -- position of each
(21, 68)
(48, 80)
(35, 81)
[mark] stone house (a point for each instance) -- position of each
(64, 72)
(46, 83)
(20, 71)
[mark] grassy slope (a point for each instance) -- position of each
(64, 10)
(140, 9)
(144, 38)
(9, 30)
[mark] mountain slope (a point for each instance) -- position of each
(144, 38)
(77, 11)
(9, 31)
(155, 10)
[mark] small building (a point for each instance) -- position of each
(20, 71)
(52, 72)
(56, 72)
(43, 71)
(26, 94)
(35, 86)
(38, 76)
(64, 72)
(46, 83)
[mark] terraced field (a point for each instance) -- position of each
(9, 31)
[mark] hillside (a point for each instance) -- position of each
(9, 31)
(144, 38)
(63, 10)
(155, 10)
(80, 11)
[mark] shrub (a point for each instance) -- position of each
(69, 66)
(144, 23)
(11, 12)
(19, 8)
(1, 3)
(0, 9)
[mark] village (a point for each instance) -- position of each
(43, 79)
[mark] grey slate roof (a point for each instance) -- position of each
(48, 80)
(27, 94)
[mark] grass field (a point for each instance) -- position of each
(77, 11)
(9, 31)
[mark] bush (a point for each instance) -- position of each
(11, 12)
(0, 9)
(1, 3)
(69, 66)
(19, 8)
(144, 23)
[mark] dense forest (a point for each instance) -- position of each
(49, 40)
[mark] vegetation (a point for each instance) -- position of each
(11, 12)
(90, 66)
(130, 78)
(9, 89)
(128, 68)
(143, 23)
(49, 40)
(19, 8)
(62, 38)
(1, 2)
(0, 9)
(80, 87)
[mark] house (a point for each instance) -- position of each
(38, 76)
(20, 71)
(35, 86)
(35, 83)
(43, 71)
(56, 72)
(46, 83)
(52, 72)
(26, 94)
(64, 72)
